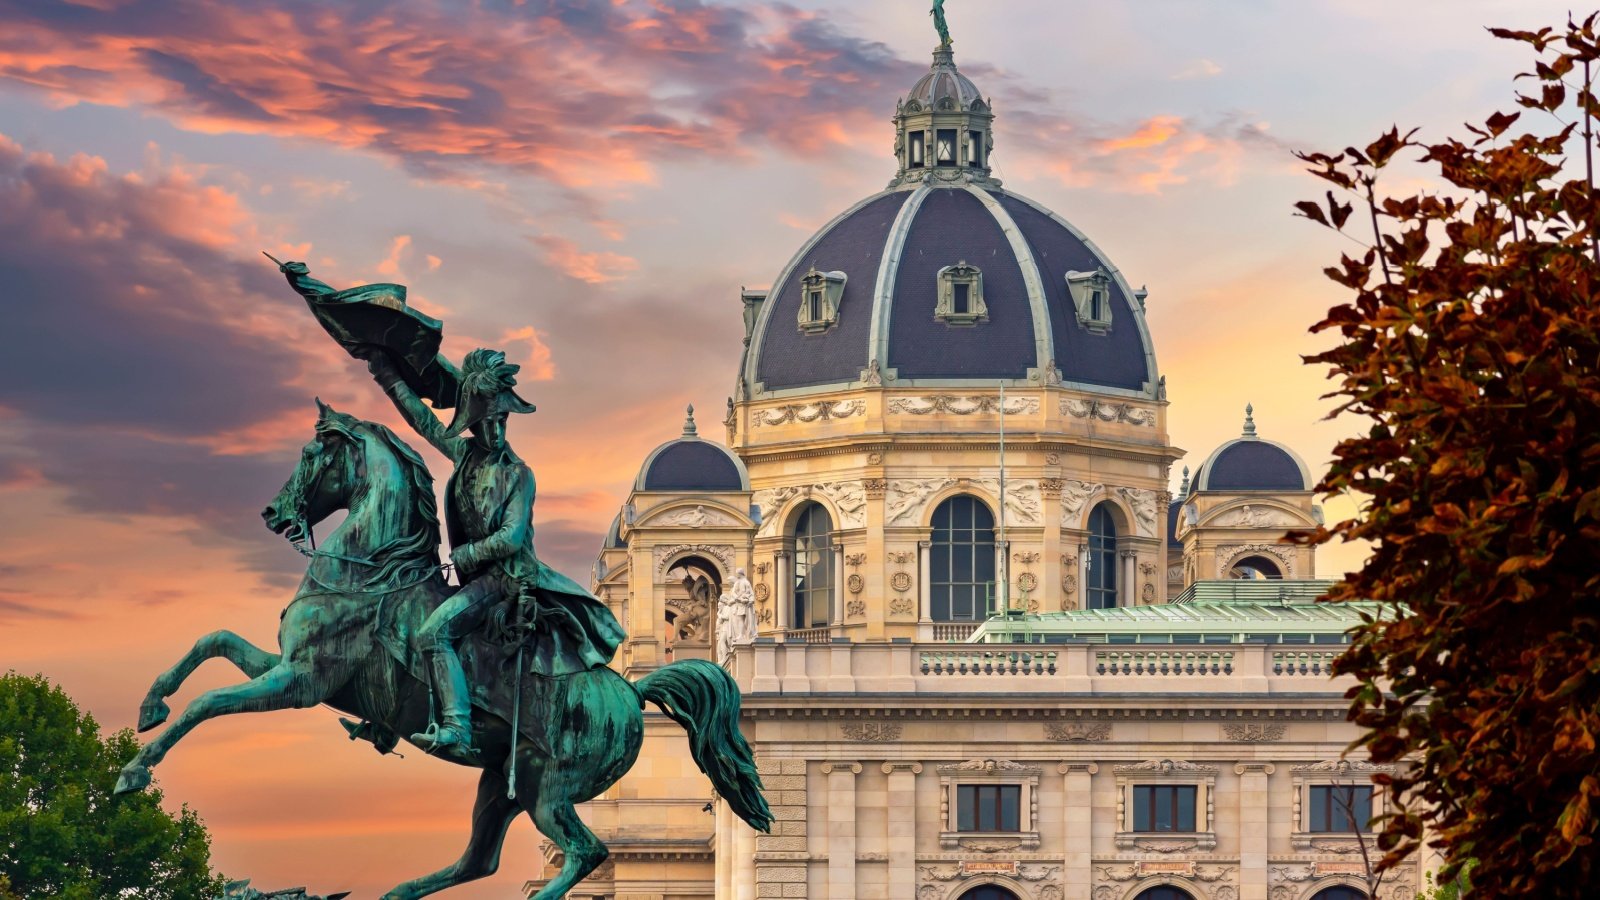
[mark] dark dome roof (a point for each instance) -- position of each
(891, 248)
(943, 83)
(691, 463)
(614, 539)
(1252, 463)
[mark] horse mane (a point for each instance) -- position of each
(422, 547)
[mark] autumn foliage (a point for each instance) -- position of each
(1471, 349)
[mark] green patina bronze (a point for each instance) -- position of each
(503, 671)
(939, 23)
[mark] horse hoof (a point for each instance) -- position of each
(133, 778)
(152, 713)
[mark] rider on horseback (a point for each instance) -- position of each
(488, 500)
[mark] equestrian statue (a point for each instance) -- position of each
(504, 670)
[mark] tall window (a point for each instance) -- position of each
(1164, 807)
(813, 568)
(1339, 892)
(917, 158)
(961, 560)
(1342, 808)
(988, 892)
(1102, 563)
(945, 147)
(988, 807)
(975, 149)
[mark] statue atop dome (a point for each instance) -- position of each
(939, 23)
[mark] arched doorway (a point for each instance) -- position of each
(693, 585)
(1165, 892)
(988, 892)
(1255, 568)
(1339, 893)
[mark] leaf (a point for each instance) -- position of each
(1311, 211)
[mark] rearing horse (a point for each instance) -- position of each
(346, 641)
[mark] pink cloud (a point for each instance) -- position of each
(590, 267)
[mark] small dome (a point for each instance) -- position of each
(690, 463)
(1252, 463)
(944, 88)
(614, 539)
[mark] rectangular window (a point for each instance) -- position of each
(916, 156)
(975, 149)
(989, 807)
(1164, 807)
(963, 300)
(1096, 307)
(814, 302)
(1340, 808)
(945, 147)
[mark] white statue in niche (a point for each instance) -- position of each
(736, 616)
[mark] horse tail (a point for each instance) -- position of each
(702, 698)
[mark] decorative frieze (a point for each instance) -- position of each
(697, 517)
(1227, 554)
(806, 413)
(1254, 732)
(1078, 732)
(1107, 411)
(907, 498)
(949, 404)
(849, 498)
(871, 732)
(1254, 516)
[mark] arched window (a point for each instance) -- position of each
(961, 560)
(1165, 892)
(988, 892)
(1102, 568)
(1255, 568)
(693, 586)
(813, 568)
(1339, 893)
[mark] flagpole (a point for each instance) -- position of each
(1005, 550)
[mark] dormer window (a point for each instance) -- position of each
(1091, 295)
(820, 296)
(918, 150)
(961, 296)
(945, 147)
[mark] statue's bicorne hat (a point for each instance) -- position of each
(486, 383)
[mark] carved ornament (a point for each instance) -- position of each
(1107, 411)
(962, 406)
(806, 413)
(720, 552)
(871, 732)
(1254, 732)
(1164, 767)
(698, 517)
(1078, 732)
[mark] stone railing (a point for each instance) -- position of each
(988, 662)
(952, 631)
(1149, 661)
(841, 666)
(1304, 662)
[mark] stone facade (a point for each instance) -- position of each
(881, 720)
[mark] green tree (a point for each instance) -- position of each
(1471, 349)
(64, 835)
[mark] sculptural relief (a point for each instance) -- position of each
(698, 517)
(806, 413)
(1074, 494)
(1143, 504)
(962, 406)
(1254, 516)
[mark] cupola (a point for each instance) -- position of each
(943, 127)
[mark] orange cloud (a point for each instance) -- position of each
(590, 267)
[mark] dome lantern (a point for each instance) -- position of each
(943, 128)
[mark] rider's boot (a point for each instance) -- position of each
(452, 734)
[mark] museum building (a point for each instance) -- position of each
(994, 658)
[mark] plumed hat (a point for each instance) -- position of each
(486, 390)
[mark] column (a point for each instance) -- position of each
(744, 860)
(902, 827)
(924, 588)
(838, 616)
(1002, 580)
(1254, 828)
(1077, 871)
(1127, 580)
(841, 829)
(782, 590)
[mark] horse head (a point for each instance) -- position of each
(321, 482)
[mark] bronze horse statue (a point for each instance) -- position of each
(347, 641)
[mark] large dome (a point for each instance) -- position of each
(869, 298)
(891, 248)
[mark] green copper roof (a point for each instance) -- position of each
(1229, 621)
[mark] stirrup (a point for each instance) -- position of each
(447, 740)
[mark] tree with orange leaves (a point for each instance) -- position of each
(1470, 347)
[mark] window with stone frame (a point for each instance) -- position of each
(1338, 808)
(1164, 799)
(821, 294)
(1164, 807)
(960, 298)
(992, 798)
(988, 807)
(1091, 297)
(1328, 795)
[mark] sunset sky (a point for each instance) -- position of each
(587, 183)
